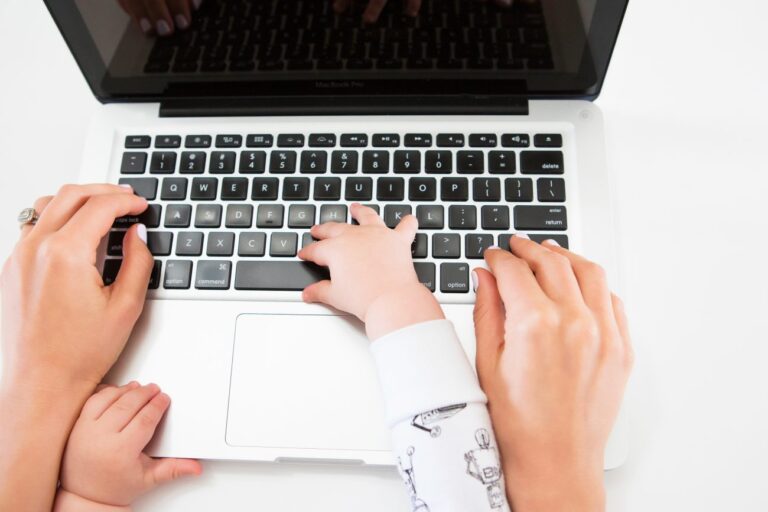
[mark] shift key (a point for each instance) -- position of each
(540, 218)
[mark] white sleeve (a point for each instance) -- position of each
(441, 431)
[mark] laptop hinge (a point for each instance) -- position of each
(345, 105)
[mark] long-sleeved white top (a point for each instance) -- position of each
(441, 430)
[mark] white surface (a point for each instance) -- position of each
(692, 181)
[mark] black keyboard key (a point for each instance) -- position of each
(282, 162)
(418, 140)
(115, 243)
(454, 278)
(220, 243)
(204, 189)
(550, 190)
(482, 140)
(264, 189)
(375, 162)
(138, 141)
(541, 218)
(394, 213)
(178, 274)
(111, 269)
(178, 216)
(322, 140)
(167, 141)
(252, 244)
(301, 216)
(486, 189)
(390, 189)
(426, 274)
(386, 140)
(197, 141)
(502, 162)
(430, 216)
(222, 162)
(189, 243)
(144, 187)
(269, 216)
(277, 275)
(407, 161)
(446, 245)
(327, 189)
(470, 162)
(439, 162)
(313, 162)
(548, 140)
(450, 140)
(253, 162)
(259, 141)
(515, 140)
(192, 162)
(296, 189)
(208, 216)
(422, 189)
(354, 140)
(283, 245)
(495, 217)
(307, 239)
(213, 275)
(154, 277)
(234, 189)
(163, 162)
(562, 240)
(477, 244)
(229, 141)
(174, 189)
(541, 162)
(518, 190)
(239, 216)
(133, 163)
(462, 217)
(290, 140)
(419, 246)
(333, 213)
(454, 189)
(358, 189)
(344, 162)
(150, 218)
(159, 243)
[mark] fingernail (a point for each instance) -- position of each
(181, 21)
(141, 231)
(145, 25)
(474, 281)
(493, 247)
(196, 4)
(522, 235)
(551, 242)
(163, 28)
(126, 186)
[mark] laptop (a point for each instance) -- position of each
(266, 117)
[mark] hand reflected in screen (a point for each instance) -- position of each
(161, 17)
(410, 7)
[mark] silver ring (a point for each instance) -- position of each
(28, 217)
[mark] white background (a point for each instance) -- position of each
(685, 110)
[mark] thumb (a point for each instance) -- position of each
(161, 471)
(131, 283)
(489, 318)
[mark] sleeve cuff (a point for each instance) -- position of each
(424, 367)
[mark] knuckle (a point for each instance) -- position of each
(69, 190)
(593, 270)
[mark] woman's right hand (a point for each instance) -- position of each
(61, 327)
(161, 17)
(553, 356)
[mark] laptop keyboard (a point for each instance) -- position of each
(230, 211)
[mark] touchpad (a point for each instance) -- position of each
(304, 381)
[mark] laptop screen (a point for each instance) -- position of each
(246, 48)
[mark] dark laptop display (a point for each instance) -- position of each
(290, 48)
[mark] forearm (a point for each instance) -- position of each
(68, 502)
(34, 426)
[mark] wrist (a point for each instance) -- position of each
(67, 501)
(576, 490)
(401, 308)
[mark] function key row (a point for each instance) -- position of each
(348, 140)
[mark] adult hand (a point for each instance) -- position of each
(161, 17)
(553, 356)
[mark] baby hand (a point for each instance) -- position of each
(103, 461)
(372, 274)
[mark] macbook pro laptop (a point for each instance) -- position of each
(266, 117)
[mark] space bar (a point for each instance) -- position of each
(277, 275)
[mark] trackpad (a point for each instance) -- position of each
(304, 381)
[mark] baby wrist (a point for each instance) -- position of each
(401, 308)
(70, 502)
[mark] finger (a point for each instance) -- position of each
(130, 286)
(69, 200)
(519, 290)
(181, 10)
(94, 220)
(623, 325)
(591, 279)
(159, 16)
(122, 411)
(316, 252)
(39, 206)
(135, 8)
(373, 10)
(142, 427)
(161, 471)
(489, 317)
(341, 5)
(408, 227)
(104, 398)
(329, 230)
(318, 292)
(365, 216)
(412, 7)
(553, 272)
